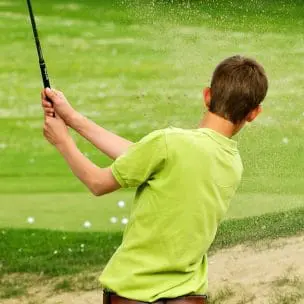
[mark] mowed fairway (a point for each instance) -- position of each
(134, 68)
(68, 211)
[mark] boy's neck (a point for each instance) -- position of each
(218, 124)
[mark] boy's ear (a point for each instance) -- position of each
(254, 113)
(207, 97)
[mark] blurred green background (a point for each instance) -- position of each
(136, 66)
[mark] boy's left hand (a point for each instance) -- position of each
(55, 130)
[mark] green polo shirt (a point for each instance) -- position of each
(185, 180)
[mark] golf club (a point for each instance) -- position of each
(44, 74)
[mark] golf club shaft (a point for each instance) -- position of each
(43, 69)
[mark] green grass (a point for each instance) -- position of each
(64, 211)
(134, 67)
(67, 211)
(59, 253)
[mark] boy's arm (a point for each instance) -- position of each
(99, 180)
(106, 141)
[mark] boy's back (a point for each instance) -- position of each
(187, 179)
(184, 178)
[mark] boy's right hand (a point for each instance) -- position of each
(60, 105)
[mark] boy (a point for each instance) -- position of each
(185, 181)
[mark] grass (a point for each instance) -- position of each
(253, 229)
(134, 67)
(287, 280)
(9, 289)
(69, 211)
(59, 253)
(288, 288)
(83, 282)
(221, 296)
(26, 285)
(231, 294)
(286, 298)
(63, 285)
(64, 211)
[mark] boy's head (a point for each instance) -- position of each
(238, 87)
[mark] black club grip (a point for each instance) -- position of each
(45, 76)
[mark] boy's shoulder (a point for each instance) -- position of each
(174, 131)
(169, 134)
(170, 131)
(178, 138)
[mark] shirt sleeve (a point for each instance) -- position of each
(141, 161)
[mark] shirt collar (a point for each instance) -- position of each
(221, 139)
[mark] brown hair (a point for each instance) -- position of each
(238, 86)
